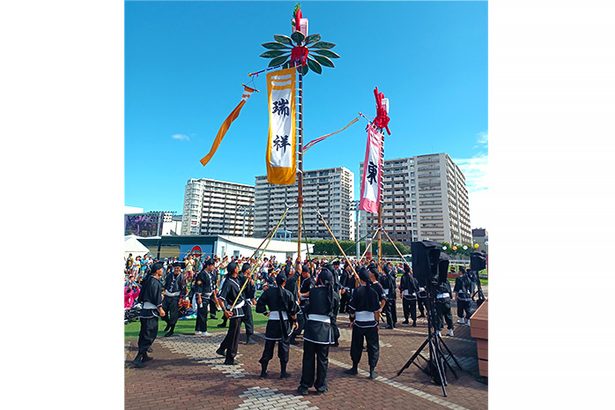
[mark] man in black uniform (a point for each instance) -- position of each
(291, 282)
(174, 290)
(213, 308)
(249, 293)
(201, 291)
(307, 283)
(443, 303)
(318, 334)
(409, 288)
(231, 291)
(335, 270)
(282, 307)
(375, 285)
(151, 300)
(348, 283)
(463, 295)
(364, 316)
(387, 280)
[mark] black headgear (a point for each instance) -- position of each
(305, 268)
(177, 264)
(230, 268)
(325, 276)
(156, 266)
(245, 267)
(280, 279)
(209, 262)
(364, 274)
(336, 262)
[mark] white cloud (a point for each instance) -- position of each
(475, 171)
(180, 137)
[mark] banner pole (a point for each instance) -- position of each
(300, 165)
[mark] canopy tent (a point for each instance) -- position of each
(132, 245)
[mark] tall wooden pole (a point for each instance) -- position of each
(300, 165)
(381, 199)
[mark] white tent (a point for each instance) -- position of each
(132, 245)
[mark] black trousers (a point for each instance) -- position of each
(409, 306)
(443, 310)
(315, 361)
(231, 341)
(370, 334)
(212, 307)
(391, 312)
(248, 321)
(201, 317)
(147, 334)
(421, 306)
(283, 350)
(344, 299)
(171, 307)
(463, 309)
(300, 325)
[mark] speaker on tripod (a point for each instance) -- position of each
(478, 262)
(430, 268)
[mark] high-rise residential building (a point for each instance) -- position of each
(425, 198)
(329, 191)
(214, 207)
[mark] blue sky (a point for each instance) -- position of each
(185, 63)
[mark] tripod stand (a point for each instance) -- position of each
(437, 361)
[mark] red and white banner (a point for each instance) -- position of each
(372, 171)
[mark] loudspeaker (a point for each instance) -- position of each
(425, 260)
(478, 261)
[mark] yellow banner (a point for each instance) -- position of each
(247, 91)
(282, 142)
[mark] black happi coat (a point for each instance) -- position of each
(463, 287)
(228, 294)
(202, 284)
(150, 297)
(409, 283)
(388, 285)
(364, 299)
(249, 291)
(291, 284)
(306, 286)
(179, 284)
(321, 305)
(277, 301)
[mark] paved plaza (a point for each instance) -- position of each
(187, 374)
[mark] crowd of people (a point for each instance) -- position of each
(300, 298)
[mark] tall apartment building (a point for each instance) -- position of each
(330, 191)
(425, 198)
(214, 207)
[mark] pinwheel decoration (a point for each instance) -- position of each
(307, 51)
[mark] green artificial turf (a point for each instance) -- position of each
(131, 330)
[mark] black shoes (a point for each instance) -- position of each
(138, 361)
(146, 358)
(264, 374)
(414, 324)
(352, 371)
(372, 374)
(322, 390)
(221, 352)
(302, 390)
(250, 342)
(232, 362)
(389, 327)
(405, 322)
(284, 375)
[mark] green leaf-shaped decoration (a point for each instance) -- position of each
(275, 46)
(280, 38)
(323, 44)
(278, 61)
(314, 66)
(275, 53)
(286, 64)
(297, 37)
(323, 60)
(326, 53)
(303, 69)
(312, 38)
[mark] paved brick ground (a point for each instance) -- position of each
(187, 374)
